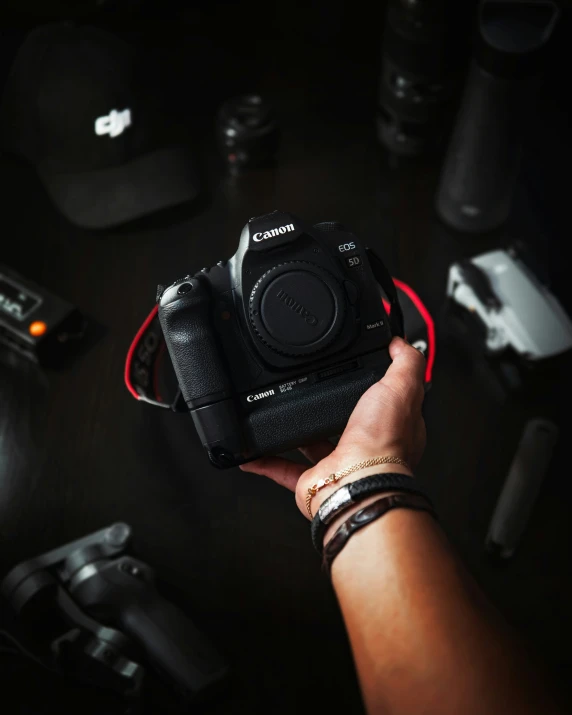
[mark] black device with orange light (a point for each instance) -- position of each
(34, 322)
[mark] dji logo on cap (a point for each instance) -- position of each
(114, 123)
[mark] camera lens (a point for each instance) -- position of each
(297, 308)
(247, 132)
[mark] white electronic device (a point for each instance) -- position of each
(516, 309)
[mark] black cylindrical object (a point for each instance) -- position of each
(247, 133)
(122, 593)
(481, 167)
(419, 69)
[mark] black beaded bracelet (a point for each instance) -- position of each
(366, 516)
(350, 494)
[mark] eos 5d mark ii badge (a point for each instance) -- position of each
(274, 348)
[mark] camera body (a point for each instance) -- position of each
(273, 349)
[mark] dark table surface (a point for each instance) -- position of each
(78, 453)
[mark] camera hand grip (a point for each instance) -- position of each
(186, 322)
(278, 426)
(173, 644)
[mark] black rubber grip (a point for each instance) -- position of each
(193, 347)
(323, 412)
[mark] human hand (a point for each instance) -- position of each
(386, 421)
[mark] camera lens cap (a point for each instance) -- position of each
(297, 308)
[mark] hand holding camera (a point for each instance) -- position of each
(387, 420)
(274, 348)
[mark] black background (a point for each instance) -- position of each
(77, 452)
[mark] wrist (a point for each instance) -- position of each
(327, 491)
(377, 469)
(348, 513)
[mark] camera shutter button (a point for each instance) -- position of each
(184, 288)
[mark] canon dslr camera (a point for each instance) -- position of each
(273, 349)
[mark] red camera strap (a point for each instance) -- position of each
(150, 377)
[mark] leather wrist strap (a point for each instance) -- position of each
(366, 516)
(350, 494)
(336, 476)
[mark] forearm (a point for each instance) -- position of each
(423, 639)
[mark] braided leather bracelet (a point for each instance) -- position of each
(336, 476)
(350, 494)
(366, 516)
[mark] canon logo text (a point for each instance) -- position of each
(273, 232)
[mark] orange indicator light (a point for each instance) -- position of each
(37, 328)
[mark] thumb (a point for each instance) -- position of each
(406, 373)
(384, 410)
(388, 402)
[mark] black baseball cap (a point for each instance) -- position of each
(79, 107)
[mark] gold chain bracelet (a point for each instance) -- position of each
(336, 476)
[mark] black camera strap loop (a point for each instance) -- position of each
(388, 286)
(150, 376)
